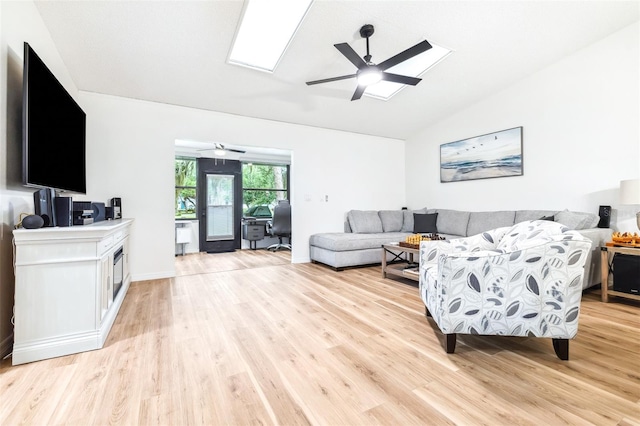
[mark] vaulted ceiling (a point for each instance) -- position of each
(175, 52)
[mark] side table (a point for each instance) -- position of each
(606, 269)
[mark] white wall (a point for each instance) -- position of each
(130, 154)
(581, 137)
(19, 22)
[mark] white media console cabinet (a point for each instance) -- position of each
(64, 295)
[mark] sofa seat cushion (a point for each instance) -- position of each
(364, 221)
(484, 221)
(344, 242)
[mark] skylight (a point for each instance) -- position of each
(266, 29)
(413, 67)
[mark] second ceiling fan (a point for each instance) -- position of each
(219, 148)
(368, 72)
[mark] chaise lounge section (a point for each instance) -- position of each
(366, 230)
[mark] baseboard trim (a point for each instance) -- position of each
(55, 347)
(153, 276)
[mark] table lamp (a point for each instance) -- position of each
(630, 194)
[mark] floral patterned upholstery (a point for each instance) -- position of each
(524, 280)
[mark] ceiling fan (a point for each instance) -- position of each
(220, 149)
(370, 73)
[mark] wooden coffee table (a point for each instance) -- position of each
(403, 264)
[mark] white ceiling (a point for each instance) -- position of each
(175, 52)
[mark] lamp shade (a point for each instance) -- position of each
(630, 191)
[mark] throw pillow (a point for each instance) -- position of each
(425, 223)
(407, 224)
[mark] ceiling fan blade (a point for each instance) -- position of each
(351, 55)
(423, 46)
(358, 93)
(402, 79)
(224, 148)
(326, 80)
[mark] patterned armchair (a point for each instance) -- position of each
(524, 280)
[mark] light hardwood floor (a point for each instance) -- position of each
(248, 338)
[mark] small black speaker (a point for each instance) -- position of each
(63, 208)
(98, 211)
(32, 222)
(605, 216)
(116, 205)
(82, 205)
(626, 273)
(43, 205)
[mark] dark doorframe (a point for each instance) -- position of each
(207, 169)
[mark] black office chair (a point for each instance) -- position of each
(280, 225)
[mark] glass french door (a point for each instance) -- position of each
(220, 203)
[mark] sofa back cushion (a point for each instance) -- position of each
(364, 221)
(391, 220)
(577, 220)
(523, 215)
(407, 223)
(484, 221)
(452, 222)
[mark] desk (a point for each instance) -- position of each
(253, 231)
(606, 291)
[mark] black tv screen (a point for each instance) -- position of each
(54, 131)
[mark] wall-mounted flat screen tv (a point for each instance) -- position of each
(54, 131)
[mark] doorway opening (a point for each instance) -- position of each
(217, 190)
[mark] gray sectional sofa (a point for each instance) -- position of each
(366, 231)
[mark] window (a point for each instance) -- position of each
(263, 185)
(185, 188)
(265, 31)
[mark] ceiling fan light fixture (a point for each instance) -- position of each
(369, 76)
(220, 152)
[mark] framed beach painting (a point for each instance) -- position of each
(493, 155)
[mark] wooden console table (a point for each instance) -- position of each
(406, 268)
(66, 296)
(604, 265)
